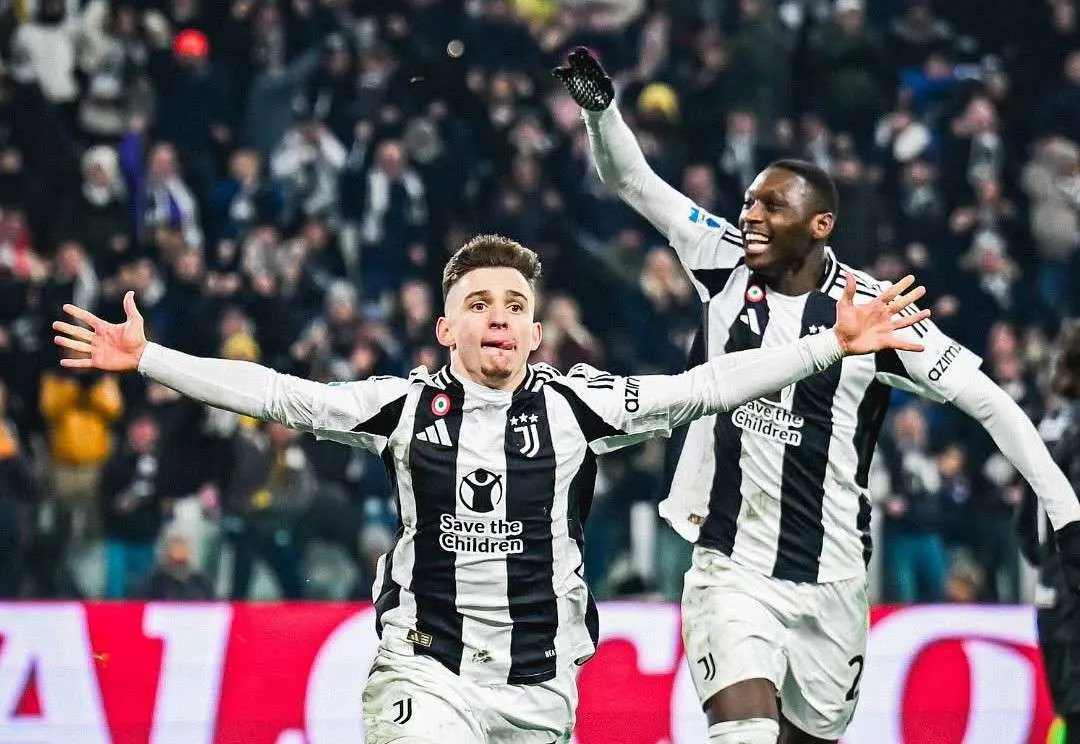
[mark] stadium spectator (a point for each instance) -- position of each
(915, 558)
(176, 95)
(175, 577)
(130, 503)
(1058, 608)
(98, 216)
(79, 411)
(47, 42)
(270, 487)
(308, 161)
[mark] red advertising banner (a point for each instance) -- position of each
(292, 674)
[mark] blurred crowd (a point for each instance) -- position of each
(280, 181)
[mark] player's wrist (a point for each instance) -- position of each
(841, 341)
(139, 352)
(825, 349)
(144, 358)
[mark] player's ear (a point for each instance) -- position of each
(443, 333)
(537, 336)
(821, 226)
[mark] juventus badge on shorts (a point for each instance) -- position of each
(709, 663)
(403, 710)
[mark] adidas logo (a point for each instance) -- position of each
(437, 433)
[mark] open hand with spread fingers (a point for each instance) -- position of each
(111, 347)
(873, 326)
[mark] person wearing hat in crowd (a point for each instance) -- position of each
(194, 110)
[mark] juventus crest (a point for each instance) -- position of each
(525, 426)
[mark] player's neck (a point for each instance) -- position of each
(506, 384)
(801, 278)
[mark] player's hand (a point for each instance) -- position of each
(872, 326)
(586, 80)
(1068, 543)
(112, 347)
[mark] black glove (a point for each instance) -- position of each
(586, 80)
(1068, 542)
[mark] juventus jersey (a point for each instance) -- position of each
(493, 486)
(780, 483)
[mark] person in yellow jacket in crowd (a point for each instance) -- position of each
(79, 412)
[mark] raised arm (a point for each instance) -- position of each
(1019, 441)
(701, 240)
(623, 168)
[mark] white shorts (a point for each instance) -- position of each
(416, 696)
(809, 640)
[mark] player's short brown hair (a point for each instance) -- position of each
(1066, 378)
(490, 251)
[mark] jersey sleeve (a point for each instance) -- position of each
(709, 247)
(360, 413)
(616, 412)
(363, 413)
(610, 409)
(938, 373)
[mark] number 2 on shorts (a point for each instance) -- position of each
(854, 691)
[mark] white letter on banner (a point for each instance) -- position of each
(51, 642)
(195, 639)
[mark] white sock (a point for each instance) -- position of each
(746, 731)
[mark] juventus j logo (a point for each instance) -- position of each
(525, 425)
(403, 710)
(709, 663)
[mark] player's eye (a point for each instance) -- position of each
(515, 307)
(478, 306)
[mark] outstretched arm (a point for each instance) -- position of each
(632, 409)
(1018, 439)
(243, 387)
(751, 374)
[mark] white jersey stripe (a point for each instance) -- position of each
(744, 519)
(486, 627)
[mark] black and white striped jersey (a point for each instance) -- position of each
(493, 489)
(493, 486)
(780, 483)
